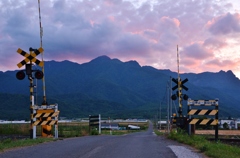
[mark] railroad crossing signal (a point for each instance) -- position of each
(180, 83)
(180, 96)
(21, 75)
(180, 86)
(30, 56)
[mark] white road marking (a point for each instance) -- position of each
(183, 152)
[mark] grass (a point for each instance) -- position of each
(75, 129)
(22, 129)
(10, 143)
(211, 149)
(19, 129)
(157, 132)
(70, 129)
(12, 130)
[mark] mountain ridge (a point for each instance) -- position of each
(126, 84)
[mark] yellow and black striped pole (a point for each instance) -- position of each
(29, 68)
(31, 106)
(216, 118)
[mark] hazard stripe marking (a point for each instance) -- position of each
(30, 57)
(38, 115)
(50, 122)
(202, 112)
(203, 121)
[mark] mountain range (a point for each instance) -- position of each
(114, 89)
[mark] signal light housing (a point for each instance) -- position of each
(185, 97)
(38, 74)
(28, 69)
(174, 97)
(20, 75)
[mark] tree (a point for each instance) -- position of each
(225, 126)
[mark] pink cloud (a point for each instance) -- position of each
(196, 51)
(80, 30)
(225, 24)
(213, 65)
(223, 64)
(214, 43)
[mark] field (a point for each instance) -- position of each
(68, 129)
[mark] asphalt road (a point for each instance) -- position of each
(135, 145)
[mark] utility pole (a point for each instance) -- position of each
(160, 115)
(168, 106)
(170, 89)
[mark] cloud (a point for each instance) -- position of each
(214, 43)
(219, 63)
(225, 24)
(196, 51)
(147, 31)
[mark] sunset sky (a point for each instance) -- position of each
(148, 31)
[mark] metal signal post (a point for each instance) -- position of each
(40, 115)
(44, 121)
(180, 120)
(28, 70)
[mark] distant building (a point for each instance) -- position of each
(133, 127)
(113, 126)
(232, 124)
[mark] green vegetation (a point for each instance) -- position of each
(10, 143)
(211, 149)
(157, 132)
(22, 129)
(73, 129)
(17, 129)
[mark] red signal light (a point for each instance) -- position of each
(20, 75)
(38, 74)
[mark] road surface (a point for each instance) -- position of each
(136, 145)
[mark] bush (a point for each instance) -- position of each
(94, 132)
